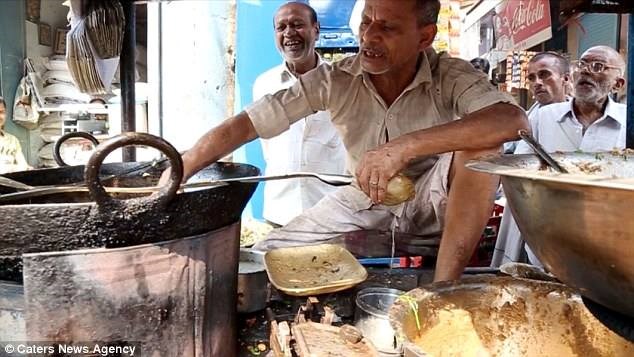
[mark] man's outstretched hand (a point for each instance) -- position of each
(378, 166)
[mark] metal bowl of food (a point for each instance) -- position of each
(253, 284)
(501, 317)
(576, 223)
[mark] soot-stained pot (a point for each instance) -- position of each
(92, 218)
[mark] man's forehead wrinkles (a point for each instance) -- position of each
(593, 56)
(385, 14)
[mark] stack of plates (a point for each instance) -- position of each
(105, 23)
(93, 46)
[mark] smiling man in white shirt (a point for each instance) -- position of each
(310, 144)
(591, 122)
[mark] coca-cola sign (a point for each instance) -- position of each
(521, 24)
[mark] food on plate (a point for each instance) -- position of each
(253, 231)
(588, 167)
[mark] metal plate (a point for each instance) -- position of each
(600, 169)
(375, 243)
(312, 270)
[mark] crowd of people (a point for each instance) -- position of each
(399, 107)
(585, 118)
(572, 110)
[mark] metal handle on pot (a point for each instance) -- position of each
(165, 193)
(58, 144)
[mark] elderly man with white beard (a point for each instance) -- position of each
(591, 122)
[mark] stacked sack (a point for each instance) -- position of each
(55, 85)
(51, 127)
(40, 101)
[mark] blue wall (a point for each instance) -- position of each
(255, 53)
(11, 57)
(600, 29)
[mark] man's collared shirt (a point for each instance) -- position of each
(311, 144)
(509, 147)
(556, 128)
(11, 156)
(443, 90)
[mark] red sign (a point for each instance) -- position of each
(521, 24)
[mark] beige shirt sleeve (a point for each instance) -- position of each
(479, 95)
(467, 90)
(274, 113)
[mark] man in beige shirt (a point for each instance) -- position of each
(395, 105)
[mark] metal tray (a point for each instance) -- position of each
(312, 270)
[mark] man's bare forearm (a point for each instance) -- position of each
(218, 142)
(471, 193)
(468, 209)
(486, 128)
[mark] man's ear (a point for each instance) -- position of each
(566, 77)
(428, 33)
(318, 28)
(619, 83)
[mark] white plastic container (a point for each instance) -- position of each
(371, 318)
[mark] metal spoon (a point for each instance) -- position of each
(7, 182)
(331, 179)
(539, 150)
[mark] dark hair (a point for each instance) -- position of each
(427, 11)
(313, 13)
(3, 102)
(563, 64)
(481, 63)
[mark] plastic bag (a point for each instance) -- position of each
(24, 109)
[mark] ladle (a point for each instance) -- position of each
(331, 179)
(7, 182)
(541, 152)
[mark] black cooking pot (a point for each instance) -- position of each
(68, 221)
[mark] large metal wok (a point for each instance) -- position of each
(578, 224)
(91, 219)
